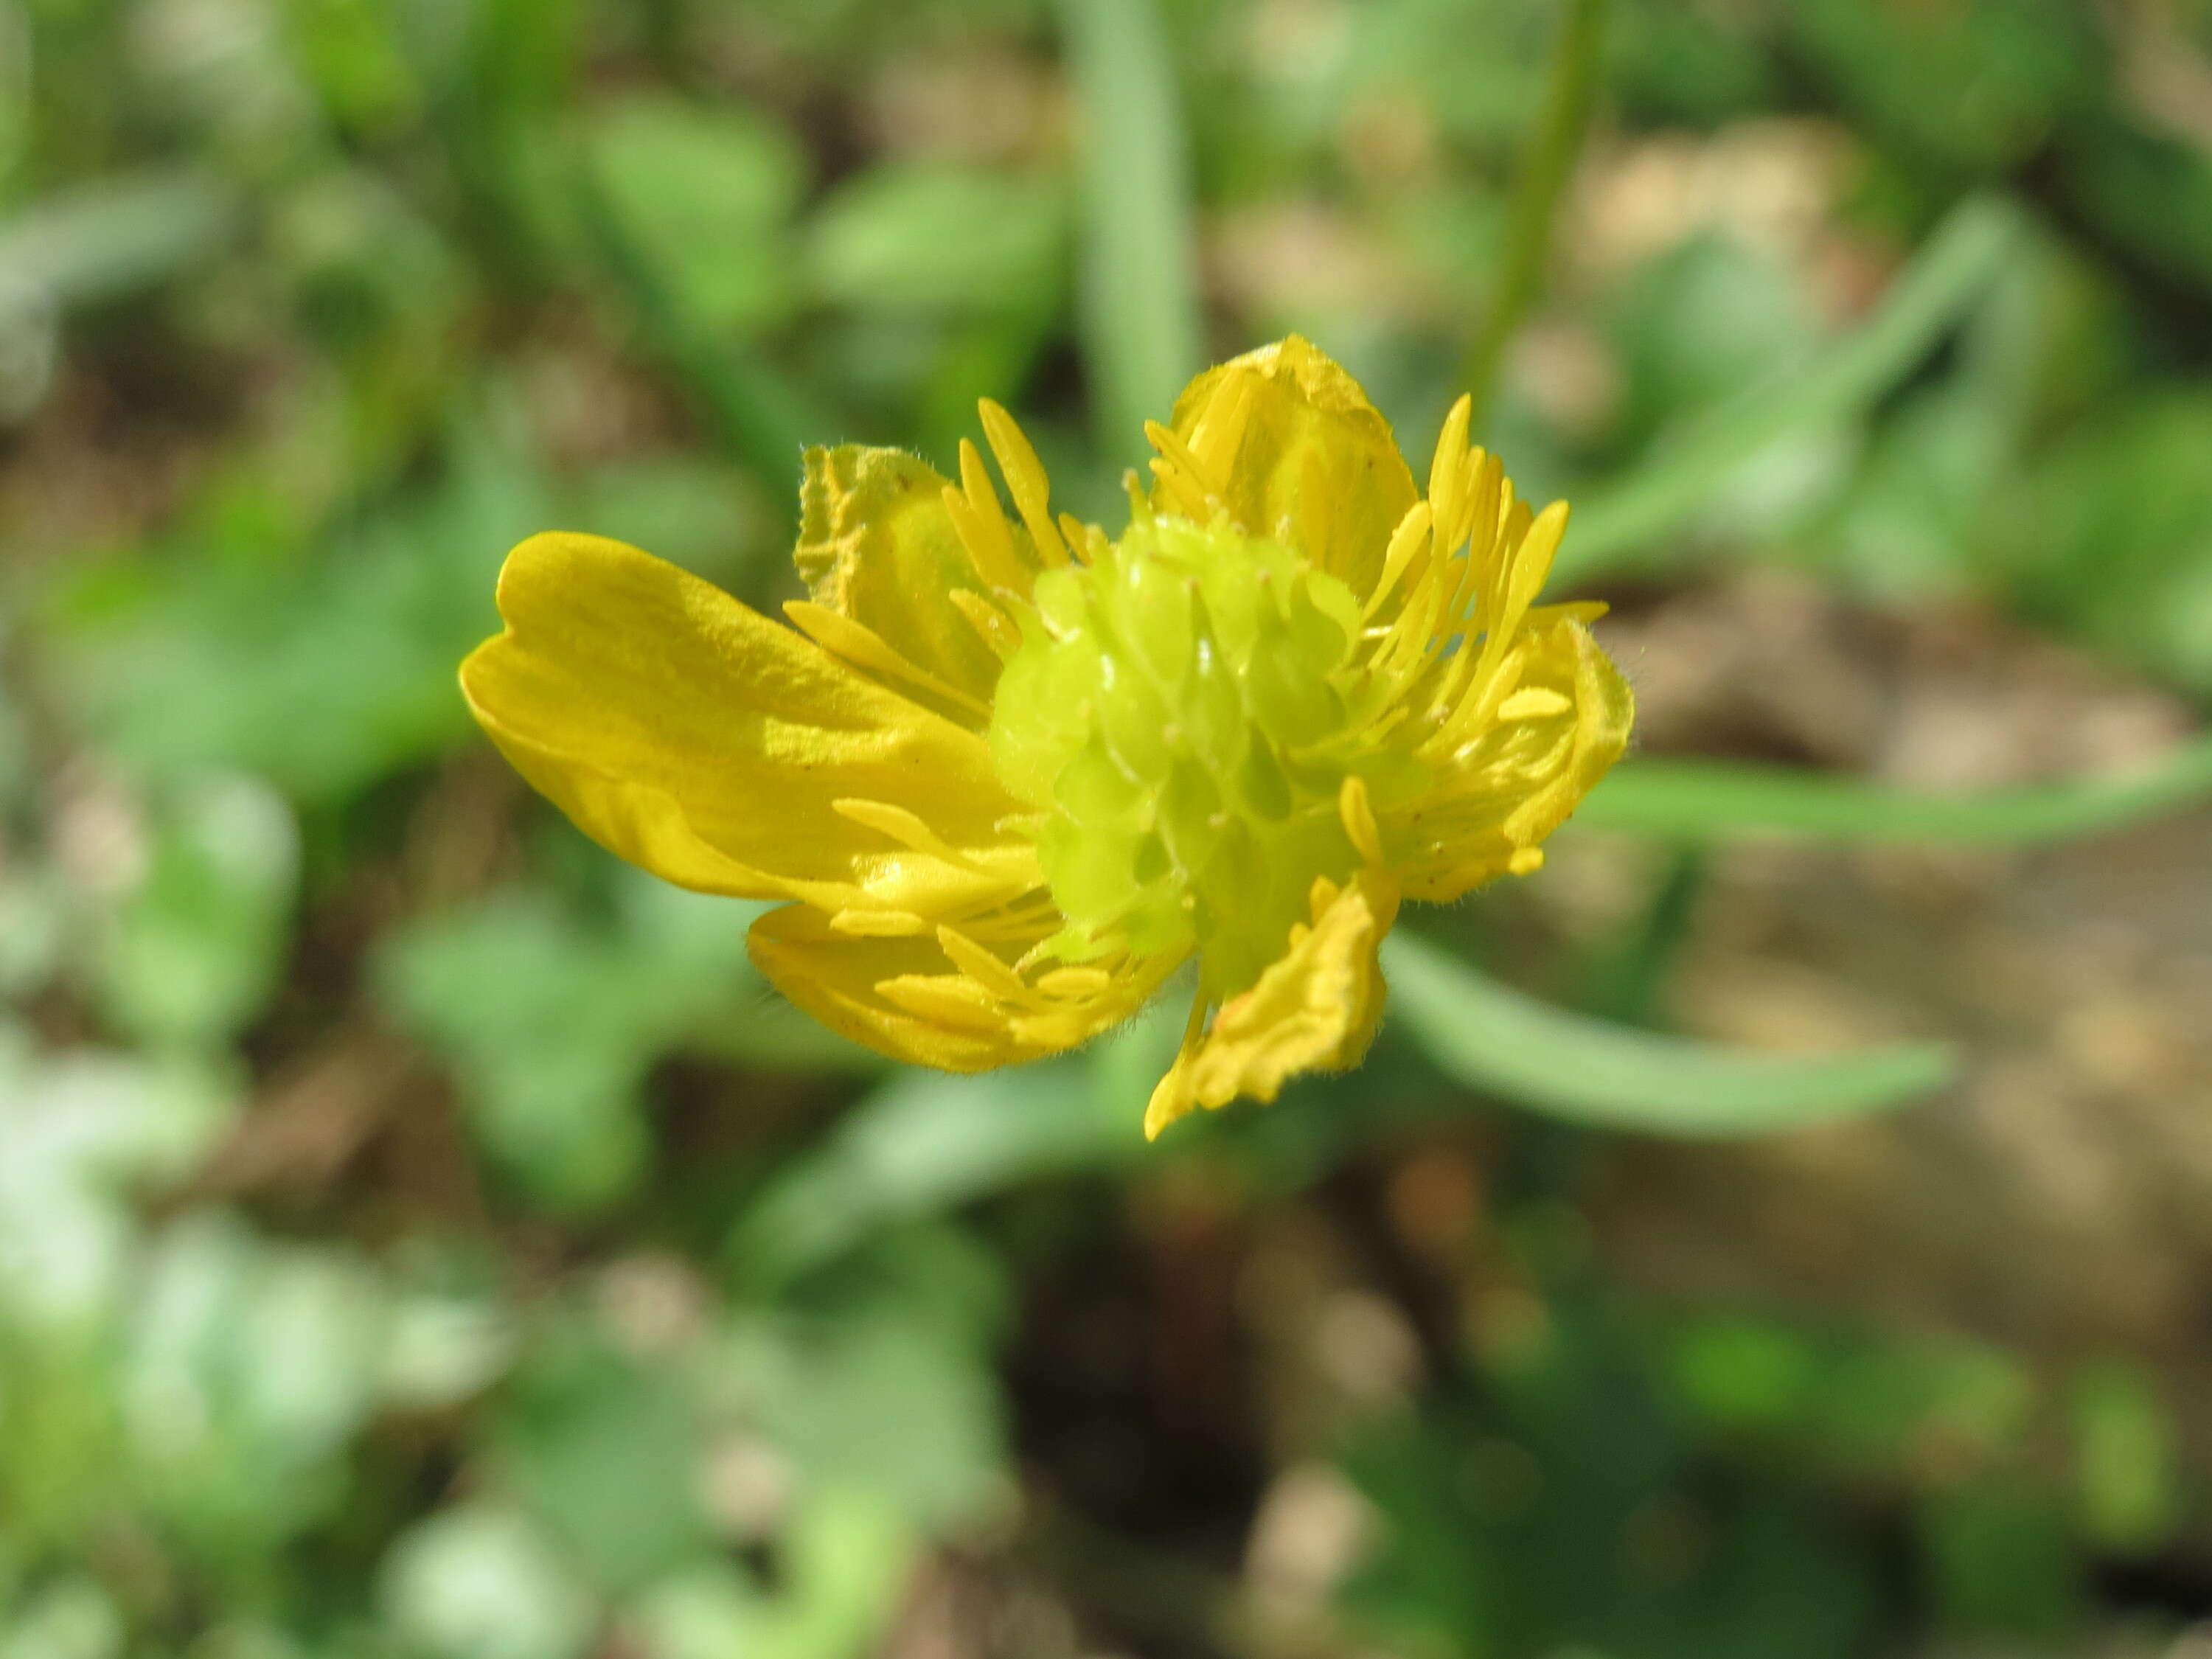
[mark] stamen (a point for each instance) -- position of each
(1025, 479)
(1076, 984)
(1533, 703)
(946, 997)
(991, 623)
(904, 828)
(864, 647)
(1447, 468)
(985, 970)
(1490, 686)
(878, 924)
(981, 524)
(1219, 434)
(1405, 542)
(1532, 561)
(1177, 453)
(1358, 816)
(1141, 505)
(1189, 496)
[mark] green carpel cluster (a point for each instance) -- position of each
(1182, 712)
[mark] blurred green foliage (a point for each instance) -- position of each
(422, 1240)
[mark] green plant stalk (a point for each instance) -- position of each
(1138, 313)
(1570, 90)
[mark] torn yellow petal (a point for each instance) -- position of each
(1502, 792)
(878, 546)
(1312, 463)
(944, 999)
(835, 975)
(1315, 1008)
(691, 735)
(1604, 713)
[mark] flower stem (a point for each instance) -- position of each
(1138, 305)
(1570, 89)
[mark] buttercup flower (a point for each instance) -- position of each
(1011, 773)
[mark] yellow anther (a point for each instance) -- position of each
(878, 924)
(901, 826)
(1358, 817)
(996, 630)
(1448, 467)
(863, 647)
(985, 969)
(1025, 480)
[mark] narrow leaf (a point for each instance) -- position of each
(1620, 525)
(764, 420)
(1702, 799)
(1492, 1037)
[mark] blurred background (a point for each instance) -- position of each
(422, 1237)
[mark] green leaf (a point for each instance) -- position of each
(2001, 1560)
(708, 193)
(263, 1355)
(75, 1618)
(2127, 1464)
(763, 417)
(845, 1560)
(193, 953)
(931, 238)
(1697, 800)
(216, 652)
(601, 1449)
(114, 238)
(483, 1582)
(2110, 535)
(896, 1402)
(1492, 1037)
(1142, 333)
(551, 1024)
(1620, 524)
(923, 1142)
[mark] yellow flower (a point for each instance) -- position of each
(1010, 774)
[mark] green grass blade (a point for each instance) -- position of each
(1142, 332)
(1701, 800)
(765, 421)
(1622, 523)
(1567, 1066)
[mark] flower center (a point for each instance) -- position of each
(1183, 716)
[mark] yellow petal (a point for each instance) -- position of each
(1315, 1008)
(1556, 736)
(833, 976)
(1603, 714)
(1313, 461)
(877, 545)
(693, 736)
(914, 1000)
